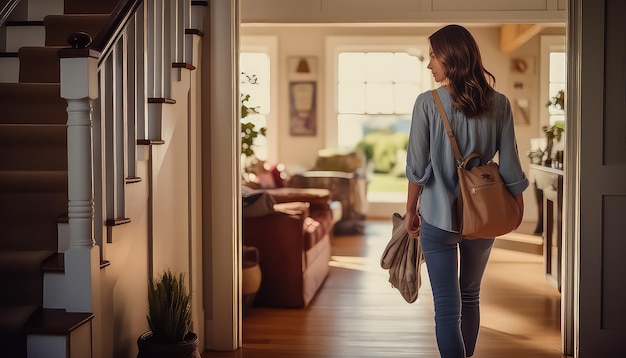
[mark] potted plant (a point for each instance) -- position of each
(169, 318)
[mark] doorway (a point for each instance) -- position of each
(291, 35)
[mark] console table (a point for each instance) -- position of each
(548, 183)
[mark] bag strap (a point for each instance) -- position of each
(449, 132)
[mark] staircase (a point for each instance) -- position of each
(34, 182)
(34, 179)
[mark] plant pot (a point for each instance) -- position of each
(251, 277)
(150, 349)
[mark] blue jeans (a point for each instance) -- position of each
(455, 292)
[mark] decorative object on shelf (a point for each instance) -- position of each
(169, 318)
(249, 131)
(535, 156)
(557, 101)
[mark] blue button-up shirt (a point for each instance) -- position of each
(430, 159)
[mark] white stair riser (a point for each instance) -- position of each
(63, 233)
(54, 290)
(40, 346)
(18, 36)
(75, 345)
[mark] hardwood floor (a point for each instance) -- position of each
(357, 314)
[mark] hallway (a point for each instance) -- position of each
(358, 314)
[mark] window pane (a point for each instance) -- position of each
(379, 98)
(256, 64)
(351, 67)
(407, 68)
(350, 129)
(557, 67)
(351, 98)
(379, 67)
(404, 97)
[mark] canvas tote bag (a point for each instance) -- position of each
(486, 208)
(403, 258)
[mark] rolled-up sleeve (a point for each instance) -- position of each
(510, 167)
(419, 166)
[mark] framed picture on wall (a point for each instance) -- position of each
(302, 108)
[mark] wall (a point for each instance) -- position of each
(159, 235)
(310, 40)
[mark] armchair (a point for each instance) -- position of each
(343, 174)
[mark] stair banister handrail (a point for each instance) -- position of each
(7, 9)
(79, 92)
(113, 27)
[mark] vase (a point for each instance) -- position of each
(250, 277)
(148, 348)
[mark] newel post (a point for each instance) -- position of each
(79, 87)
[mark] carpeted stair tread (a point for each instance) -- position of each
(33, 147)
(29, 221)
(14, 317)
(21, 277)
(34, 103)
(30, 181)
(44, 233)
(59, 27)
(16, 264)
(40, 64)
(30, 206)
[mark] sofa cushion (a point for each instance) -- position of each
(256, 202)
(293, 208)
(314, 196)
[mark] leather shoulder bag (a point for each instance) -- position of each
(486, 207)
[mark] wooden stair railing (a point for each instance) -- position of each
(7, 8)
(118, 118)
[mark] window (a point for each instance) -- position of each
(258, 58)
(552, 78)
(374, 88)
(376, 92)
(255, 83)
(557, 83)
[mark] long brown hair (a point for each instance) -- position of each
(470, 83)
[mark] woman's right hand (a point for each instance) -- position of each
(413, 224)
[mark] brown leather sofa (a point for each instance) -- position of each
(293, 241)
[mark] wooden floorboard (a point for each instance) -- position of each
(357, 314)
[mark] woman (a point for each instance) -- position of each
(482, 122)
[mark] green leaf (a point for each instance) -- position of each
(169, 308)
